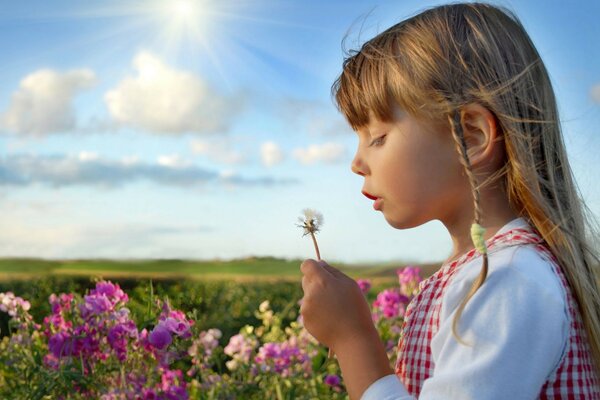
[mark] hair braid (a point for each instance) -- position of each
(461, 146)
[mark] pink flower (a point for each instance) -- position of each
(364, 285)
(390, 303)
(240, 348)
(111, 291)
(11, 304)
(409, 278)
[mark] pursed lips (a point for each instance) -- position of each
(378, 201)
(369, 195)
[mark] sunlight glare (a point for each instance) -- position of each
(183, 10)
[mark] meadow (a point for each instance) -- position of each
(176, 329)
(251, 268)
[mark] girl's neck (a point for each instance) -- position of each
(496, 213)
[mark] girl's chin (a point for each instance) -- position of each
(401, 223)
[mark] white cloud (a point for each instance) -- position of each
(43, 103)
(270, 154)
(595, 92)
(87, 169)
(173, 161)
(219, 151)
(130, 160)
(328, 153)
(227, 173)
(162, 99)
(313, 117)
(87, 156)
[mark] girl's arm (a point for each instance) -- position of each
(336, 313)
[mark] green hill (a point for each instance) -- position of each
(251, 268)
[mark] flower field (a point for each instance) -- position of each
(68, 338)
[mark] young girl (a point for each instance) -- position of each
(457, 122)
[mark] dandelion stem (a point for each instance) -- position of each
(316, 246)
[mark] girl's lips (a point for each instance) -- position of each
(370, 196)
(377, 204)
(378, 200)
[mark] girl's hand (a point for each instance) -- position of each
(336, 313)
(334, 309)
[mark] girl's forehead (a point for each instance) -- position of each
(375, 123)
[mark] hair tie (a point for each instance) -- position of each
(477, 232)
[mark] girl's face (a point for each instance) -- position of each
(413, 167)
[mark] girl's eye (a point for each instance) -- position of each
(378, 141)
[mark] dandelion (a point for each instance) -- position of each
(311, 223)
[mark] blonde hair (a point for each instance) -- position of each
(444, 58)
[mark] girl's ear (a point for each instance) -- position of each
(482, 135)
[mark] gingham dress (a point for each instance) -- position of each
(572, 379)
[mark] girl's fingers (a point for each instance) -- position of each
(311, 268)
(333, 271)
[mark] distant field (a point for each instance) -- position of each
(252, 268)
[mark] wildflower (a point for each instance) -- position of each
(332, 380)
(364, 285)
(202, 349)
(389, 302)
(311, 223)
(9, 303)
(409, 278)
(117, 338)
(160, 337)
(240, 349)
(172, 385)
(284, 359)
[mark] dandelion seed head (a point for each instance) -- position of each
(311, 221)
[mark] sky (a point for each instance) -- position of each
(200, 129)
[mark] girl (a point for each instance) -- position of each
(457, 121)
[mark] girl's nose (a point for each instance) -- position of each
(358, 166)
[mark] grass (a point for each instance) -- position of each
(251, 268)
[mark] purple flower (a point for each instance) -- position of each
(178, 327)
(332, 380)
(117, 338)
(172, 385)
(96, 305)
(149, 394)
(160, 337)
(282, 358)
(61, 345)
(111, 291)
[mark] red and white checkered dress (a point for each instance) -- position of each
(573, 379)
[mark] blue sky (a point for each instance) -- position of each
(201, 129)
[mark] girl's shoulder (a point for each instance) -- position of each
(521, 267)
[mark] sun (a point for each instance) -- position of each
(184, 10)
(184, 22)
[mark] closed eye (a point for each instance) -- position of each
(378, 141)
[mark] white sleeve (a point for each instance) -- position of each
(517, 322)
(387, 388)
